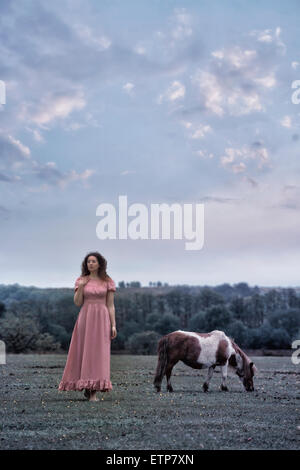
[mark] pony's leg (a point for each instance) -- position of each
(208, 378)
(224, 387)
(168, 376)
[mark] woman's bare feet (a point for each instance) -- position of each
(93, 396)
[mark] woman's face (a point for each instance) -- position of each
(92, 264)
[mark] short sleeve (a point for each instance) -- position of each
(77, 283)
(111, 286)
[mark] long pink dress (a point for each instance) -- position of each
(88, 361)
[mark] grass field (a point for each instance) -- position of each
(35, 415)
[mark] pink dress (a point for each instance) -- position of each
(88, 361)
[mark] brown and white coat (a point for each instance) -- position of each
(203, 350)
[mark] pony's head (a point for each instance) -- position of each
(246, 374)
(244, 367)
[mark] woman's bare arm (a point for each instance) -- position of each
(111, 307)
(78, 296)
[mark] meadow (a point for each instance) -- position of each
(35, 415)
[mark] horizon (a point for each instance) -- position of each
(296, 288)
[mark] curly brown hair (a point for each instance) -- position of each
(102, 266)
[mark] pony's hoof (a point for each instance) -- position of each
(157, 388)
(224, 388)
(205, 387)
(170, 389)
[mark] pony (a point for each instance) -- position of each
(203, 350)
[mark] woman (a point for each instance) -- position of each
(88, 361)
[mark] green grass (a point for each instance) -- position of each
(35, 415)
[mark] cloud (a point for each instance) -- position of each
(234, 82)
(128, 88)
(20, 167)
(290, 197)
(200, 131)
(270, 36)
(140, 50)
(268, 81)
(240, 167)
(4, 213)
(128, 172)
(236, 57)
(218, 199)
(8, 179)
(175, 91)
(24, 150)
(36, 134)
(56, 107)
(182, 24)
(233, 157)
(211, 91)
(99, 42)
(251, 181)
(286, 121)
(53, 176)
(204, 154)
(13, 153)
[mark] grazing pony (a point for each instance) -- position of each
(202, 350)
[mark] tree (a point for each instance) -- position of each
(198, 322)
(60, 335)
(237, 307)
(46, 342)
(267, 337)
(293, 299)
(218, 318)
(238, 332)
(22, 335)
(226, 290)
(135, 284)
(152, 320)
(167, 323)
(2, 309)
(143, 343)
(242, 289)
(289, 321)
(254, 311)
(119, 342)
(209, 297)
(273, 300)
(130, 328)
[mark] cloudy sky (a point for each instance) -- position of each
(164, 102)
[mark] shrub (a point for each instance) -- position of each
(198, 322)
(167, 323)
(143, 343)
(217, 318)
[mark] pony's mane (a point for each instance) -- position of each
(239, 351)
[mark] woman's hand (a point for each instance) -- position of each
(84, 281)
(113, 332)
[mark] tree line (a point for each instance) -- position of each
(42, 320)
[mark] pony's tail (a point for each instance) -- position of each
(162, 351)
